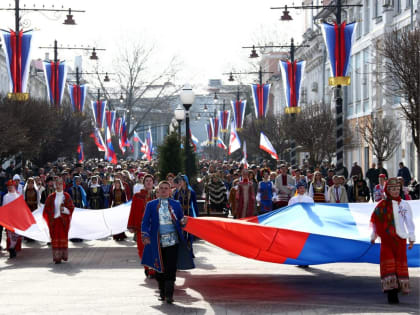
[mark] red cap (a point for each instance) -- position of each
(382, 175)
(10, 183)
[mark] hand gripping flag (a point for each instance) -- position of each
(77, 97)
(266, 145)
(17, 48)
(245, 158)
(214, 123)
(260, 93)
(234, 142)
(55, 77)
(209, 134)
(292, 74)
(110, 155)
(96, 135)
(98, 109)
(80, 153)
(224, 118)
(110, 120)
(339, 40)
(238, 110)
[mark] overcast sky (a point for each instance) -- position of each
(205, 36)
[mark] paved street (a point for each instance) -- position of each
(104, 277)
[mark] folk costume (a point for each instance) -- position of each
(14, 241)
(379, 192)
(245, 199)
(300, 198)
(216, 196)
(265, 195)
(168, 250)
(392, 221)
(318, 190)
(57, 213)
(337, 194)
(138, 207)
(118, 197)
(31, 196)
(95, 196)
(78, 195)
(285, 187)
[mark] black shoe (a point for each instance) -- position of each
(393, 296)
(161, 285)
(12, 253)
(169, 291)
(57, 262)
(303, 266)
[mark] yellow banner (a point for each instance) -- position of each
(339, 81)
(18, 96)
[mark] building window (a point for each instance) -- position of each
(357, 75)
(358, 14)
(377, 9)
(397, 6)
(366, 106)
(365, 74)
(358, 108)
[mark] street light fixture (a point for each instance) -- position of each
(215, 98)
(187, 98)
(69, 20)
(121, 98)
(179, 116)
(253, 53)
(286, 16)
(205, 108)
(106, 79)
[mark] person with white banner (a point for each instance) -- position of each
(58, 211)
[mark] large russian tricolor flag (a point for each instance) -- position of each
(302, 234)
(98, 109)
(55, 77)
(292, 74)
(260, 93)
(238, 110)
(77, 97)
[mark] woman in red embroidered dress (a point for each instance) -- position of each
(392, 221)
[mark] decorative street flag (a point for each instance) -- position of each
(221, 144)
(122, 147)
(238, 110)
(209, 134)
(224, 118)
(266, 145)
(98, 108)
(55, 76)
(234, 142)
(117, 126)
(260, 93)
(149, 144)
(80, 153)
(96, 135)
(292, 78)
(214, 123)
(110, 120)
(339, 39)
(245, 158)
(123, 133)
(17, 47)
(77, 97)
(136, 137)
(110, 155)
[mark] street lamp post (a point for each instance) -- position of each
(179, 116)
(187, 98)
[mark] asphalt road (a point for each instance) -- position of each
(105, 277)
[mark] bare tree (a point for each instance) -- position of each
(400, 51)
(382, 135)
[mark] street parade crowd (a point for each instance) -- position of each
(162, 203)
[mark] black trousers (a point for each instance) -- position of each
(169, 257)
(1, 233)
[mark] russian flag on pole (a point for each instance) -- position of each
(17, 61)
(339, 40)
(245, 158)
(221, 144)
(117, 125)
(149, 145)
(224, 118)
(97, 137)
(209, 134)
(266, 145)
(136, 137)
(77, 97)
(260, 93)
(98, 109)
(292, 74)
(110, 155)
(123, 133)
(55, 77)
(80, 153)
(194, 141)
(238, 109)
(110, 120)
(214, 123)
(234, 142)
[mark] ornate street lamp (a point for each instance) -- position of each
(179, 116)
(187, 99)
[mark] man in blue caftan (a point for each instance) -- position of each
(266, 192)
(165, 248)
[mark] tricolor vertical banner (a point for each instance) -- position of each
(224, 118)
(149, 144)
(110, 155)
(55, 77)
(80, 153)
(117, 125)
(260, 93)
(292, 74)
(238, 110)
(77, 97)
(214, 123)
(339, 40)
(98, 109)
(17, 48)
(209, 134)
(110, 120)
